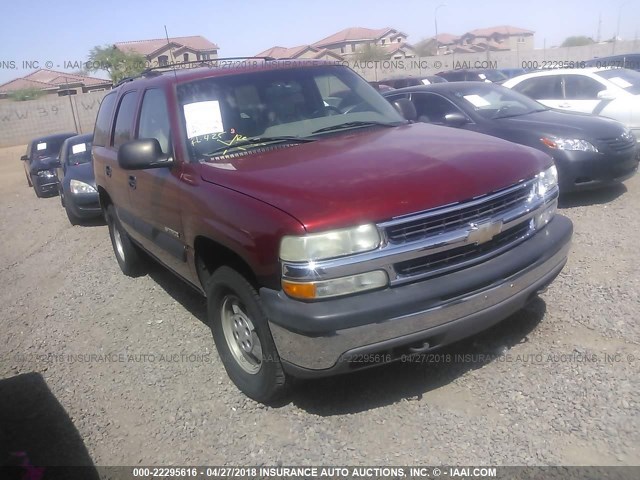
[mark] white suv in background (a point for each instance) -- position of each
(609, 92)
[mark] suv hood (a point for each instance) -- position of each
(376, 174)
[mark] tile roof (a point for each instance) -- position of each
(502, 30)
(446, 38)
(355, 34)
(295, 52)
(50, 80)
(147, 47)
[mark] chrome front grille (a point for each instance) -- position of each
(618, 144)
(430, 243)
(459, 216)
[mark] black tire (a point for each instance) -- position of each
(268, 382)
(127, 254)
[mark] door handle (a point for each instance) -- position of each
(132, 181)
(107, 170)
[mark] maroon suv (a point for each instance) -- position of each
(327, 232)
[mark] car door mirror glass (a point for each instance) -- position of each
(142, 154)
(24, 158)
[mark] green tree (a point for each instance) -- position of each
(577, 41)
(23, 94)
(370, 53)
(116, 63)
(425, 47)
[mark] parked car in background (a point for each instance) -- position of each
(630, 61)
(473, 75)
(608, 92)
(40, 162)
(327, 232)
(410, 81)
(381, 87)
(589, 151)
(512, 72)
(76, 181)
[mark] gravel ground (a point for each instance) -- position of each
(555, 384)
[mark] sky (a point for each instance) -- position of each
(63, 33)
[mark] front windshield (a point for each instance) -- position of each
(628, 80)
(79, 153)
(47, 147)
(494, 101)
(296, 103)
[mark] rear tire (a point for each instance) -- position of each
(127, 254)
(242, 336)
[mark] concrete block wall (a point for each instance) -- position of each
(22, 121)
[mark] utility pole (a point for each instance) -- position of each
(435, 21)
(599, 27)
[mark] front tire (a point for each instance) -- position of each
(127, 254)
(242, 336)
(73, 218)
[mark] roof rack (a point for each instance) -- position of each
(171, 67)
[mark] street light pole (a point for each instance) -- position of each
(615, 40)
(435, 21)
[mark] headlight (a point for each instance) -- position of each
(573, 144)
(337, 286)
(335, 243)
(547, 181)
(77, 187)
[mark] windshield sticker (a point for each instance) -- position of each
(477, 101)
(41, 146)
(482, 76)
(620, 82)
(203, 118)
(79, 148)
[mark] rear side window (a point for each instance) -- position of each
(124, 119)
(541, 88)
(154, 118)
(101, 132)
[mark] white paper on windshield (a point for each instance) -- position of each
(223, 166)
(79, 148)
(620, 82)
(203, 118)
(482, 76)
(476, 101)
(41, 146)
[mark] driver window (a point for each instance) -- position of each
(154, 118)
(432, 108)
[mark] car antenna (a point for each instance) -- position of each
(173, 60)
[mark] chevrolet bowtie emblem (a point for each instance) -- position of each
(483, 232)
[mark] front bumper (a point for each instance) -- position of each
(83, 205)
(588, 170)
(45, 185)
(324, 338)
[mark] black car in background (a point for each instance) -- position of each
(40, 163)
(628, 60)
(77, 183)
(409, 81)
(488, 75)
(589, 151)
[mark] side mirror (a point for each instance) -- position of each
(455, 119)
(606, 95)
(406, 108)
(24, 158)
(142, 154)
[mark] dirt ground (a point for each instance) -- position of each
(97, 368)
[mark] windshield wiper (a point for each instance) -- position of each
(354, 124)
(256, 142)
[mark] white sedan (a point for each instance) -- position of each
(609, 92)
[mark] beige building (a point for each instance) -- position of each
(349, 41)
(160, 52)
(55, 83)
(303, 51)
(495, 39)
